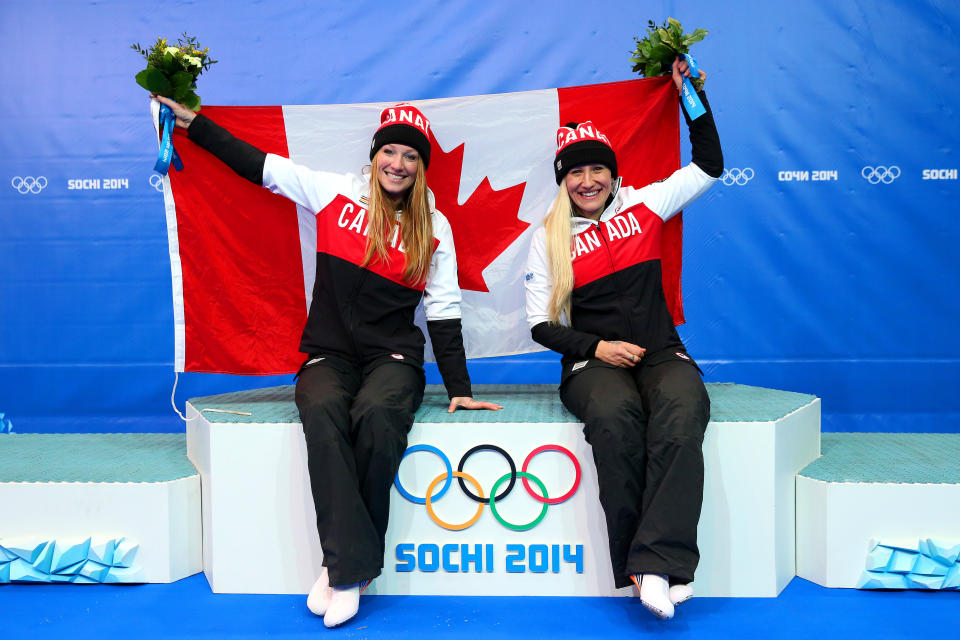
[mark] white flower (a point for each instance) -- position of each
(191, 60)
(171, 50)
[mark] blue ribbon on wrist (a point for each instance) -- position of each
(688, 95)
(167, 153)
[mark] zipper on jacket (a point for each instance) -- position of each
(350, 310)
(621, 286)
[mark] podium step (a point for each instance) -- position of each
(527, 403)
(900, 458)
(94, 457)
(72, 493)
(892, 489)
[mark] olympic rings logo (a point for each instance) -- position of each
(156, 182)
(28, 184)
(509, 478)
(737, 176)
(875, 175)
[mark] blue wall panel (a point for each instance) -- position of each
(837, 287)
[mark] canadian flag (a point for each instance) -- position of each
(243, 259)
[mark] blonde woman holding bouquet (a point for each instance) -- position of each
(595, 295)
(381, 248)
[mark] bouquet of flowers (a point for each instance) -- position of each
(172, 70)
(655, 54)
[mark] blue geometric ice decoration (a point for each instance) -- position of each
(5, 425)
(93, 561)
(931, 564)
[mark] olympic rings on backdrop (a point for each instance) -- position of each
(449, 475)
(429, 501)
(28, 184)
(545, 499)
(737, 176)
(156, 181)
(877, 174)
(479, 497)
(512, 474)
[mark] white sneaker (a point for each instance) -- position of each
(655, 595)
(320, 593)
(344, 603)
(680, 593)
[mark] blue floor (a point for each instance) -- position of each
(187, 609)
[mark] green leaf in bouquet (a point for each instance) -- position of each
(676, 41)
(170, 64)
(695, 37)
(191, 101)
(675, 29)
(141, 79)
(663, 54)
(154, 81)
(182, 82)
(652, 69)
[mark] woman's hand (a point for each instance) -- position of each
(470, 403)
(184, 116)
(681, 70)
(619, 353)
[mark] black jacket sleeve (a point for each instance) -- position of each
(569, 342)
(244, 158)
(705, 141)
(447, 338)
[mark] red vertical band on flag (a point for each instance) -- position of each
(231, 231)
(641, 119)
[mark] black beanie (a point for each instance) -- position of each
(579, 144)
(403, 124)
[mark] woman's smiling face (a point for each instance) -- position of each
(589, 187)
(397, 168)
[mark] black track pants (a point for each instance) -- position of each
(646, 427)
(355, 422)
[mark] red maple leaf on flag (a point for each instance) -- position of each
(483, 226)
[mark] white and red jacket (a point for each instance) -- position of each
(358, 314)
(618, 287)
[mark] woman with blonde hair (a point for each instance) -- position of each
(595, 295)
(381, 248)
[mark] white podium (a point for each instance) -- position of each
(67, 499)
(895, 488)
(259, 532)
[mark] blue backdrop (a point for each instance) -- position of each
(826, 262)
